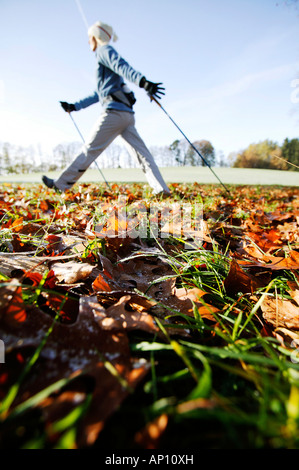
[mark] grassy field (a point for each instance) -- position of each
(202, 175)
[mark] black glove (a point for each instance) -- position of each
(153, 89)
(67, 107)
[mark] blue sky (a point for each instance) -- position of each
(228, 68)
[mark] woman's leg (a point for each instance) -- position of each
(106, 129)
(140, 152)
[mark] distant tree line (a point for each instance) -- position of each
(18, 159)
(266, 154)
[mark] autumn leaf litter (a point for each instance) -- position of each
(92, 290)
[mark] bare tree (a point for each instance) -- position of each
(205, 148)
(64, 153)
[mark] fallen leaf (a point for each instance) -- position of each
(20, 245)
(281, 313)
(238, 280)
(294, 292)
(136, 273)
(83, 350)
(100, 284)
(286, 337)
(197, 403)
(173, 300)
(291, 261)
(150, 436)
(10, 262)
(17, 225)
(71, 272)
(12, 309)
(117, 317)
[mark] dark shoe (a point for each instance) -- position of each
(163, 195)
(50, 184)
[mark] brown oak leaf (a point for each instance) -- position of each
(238, 280)
(83, 350)
(281, 313)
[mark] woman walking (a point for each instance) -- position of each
(117, 118)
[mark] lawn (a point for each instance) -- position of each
(186, 174)
(125, 328)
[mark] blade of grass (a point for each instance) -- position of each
(179, 350)
(256, 307)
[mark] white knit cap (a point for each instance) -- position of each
(102, 32)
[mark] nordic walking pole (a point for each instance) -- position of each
(152, 98)
(84, 143)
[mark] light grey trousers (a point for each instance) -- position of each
(110, 125)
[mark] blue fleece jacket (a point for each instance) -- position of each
(111, 72)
